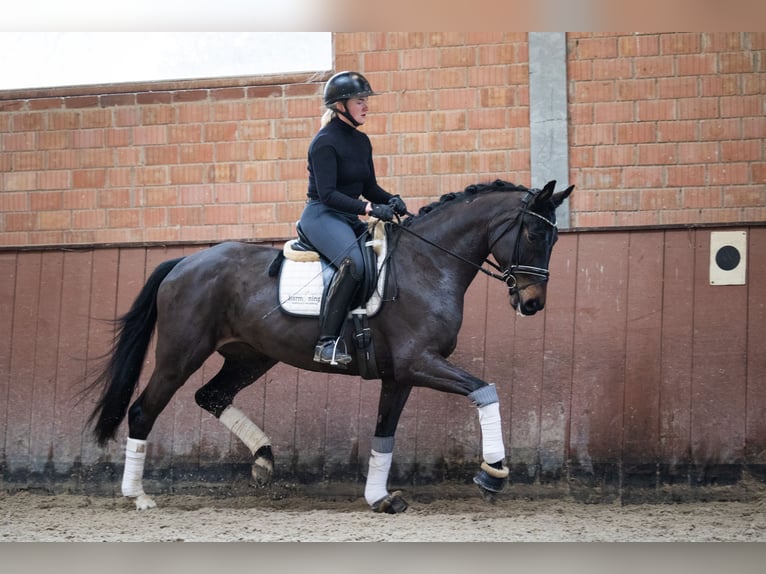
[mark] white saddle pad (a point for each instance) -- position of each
(301, 283)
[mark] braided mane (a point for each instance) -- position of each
(468, 193)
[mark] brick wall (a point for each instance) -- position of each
(664, 129)
(667, 128)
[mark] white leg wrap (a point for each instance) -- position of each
(132, 476)
(377, 476)
(493, 448)
(245, 429)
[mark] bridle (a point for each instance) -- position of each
(508, 275)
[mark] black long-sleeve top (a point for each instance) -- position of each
(341, 169)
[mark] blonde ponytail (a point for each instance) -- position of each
(327, 117)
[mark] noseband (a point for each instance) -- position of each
(509, 274)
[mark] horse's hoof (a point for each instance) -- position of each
(391, 504)
(491, 479)
(263, 466)
(144, 502)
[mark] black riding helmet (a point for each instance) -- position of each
(345, 85)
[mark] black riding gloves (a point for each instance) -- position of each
(398, 205)
(382, 212)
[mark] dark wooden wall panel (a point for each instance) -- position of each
(71, 409)
(46, 354)
(674, 449)
(8, 262)
(755, 447)
(643, 351)
(556, 393)
(599, 350)
(636, 364)
(23, 348)
(103, 309)
(719, 360)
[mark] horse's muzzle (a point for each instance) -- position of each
(526, 306)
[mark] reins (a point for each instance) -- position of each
(505, 275)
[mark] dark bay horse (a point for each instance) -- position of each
(223, 299)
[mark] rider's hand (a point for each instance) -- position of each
(398, 205)
(382, 212)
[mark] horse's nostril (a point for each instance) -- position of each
(532, 306)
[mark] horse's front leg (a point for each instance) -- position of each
(393, 397)
(435, 372)
(493, 473)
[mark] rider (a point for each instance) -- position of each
(340, 170)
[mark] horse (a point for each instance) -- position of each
(222, 300)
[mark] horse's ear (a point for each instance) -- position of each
(546, 193)
(558, 198)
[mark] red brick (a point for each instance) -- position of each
(696, 108)
(685, 175)
(702, 197)
(743, 106)
(677, 131)
(45, 201)
(80, 199)
(54, 179)
(25, 161)
(654, 67)
(655, 199)
(111, 198)
(156, 115)
(129, 218)
(638, 45)
(19, 181)
(150, 135)
(53, 220)
(148, 98)
(187, 174)
(723, 41)
(232, 193)
(743, 150)
(636, 132)
(698, 152)
(744, 196)
(593, 48)
(614, 155)
(643, 177)
(613, 112)
(696, 65)
(737, 62)
(728, 129)
(728, 174)
(680, 43)
(636, 89)
(95, 178)
(19, 222)
(161, 155)
(185, 96)
(108, 100)
(657, 154)
(155, 196)
(29, 121)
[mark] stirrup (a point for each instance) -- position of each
(325, 347)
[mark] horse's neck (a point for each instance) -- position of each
(462, 231)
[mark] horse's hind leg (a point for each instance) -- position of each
(141, 417)
(217, 397)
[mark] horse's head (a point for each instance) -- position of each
(523, 245)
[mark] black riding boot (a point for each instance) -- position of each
(334, 312)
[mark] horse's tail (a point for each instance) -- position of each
(120, 375)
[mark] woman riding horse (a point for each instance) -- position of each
(340, 170)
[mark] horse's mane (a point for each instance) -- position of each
(468, 193)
